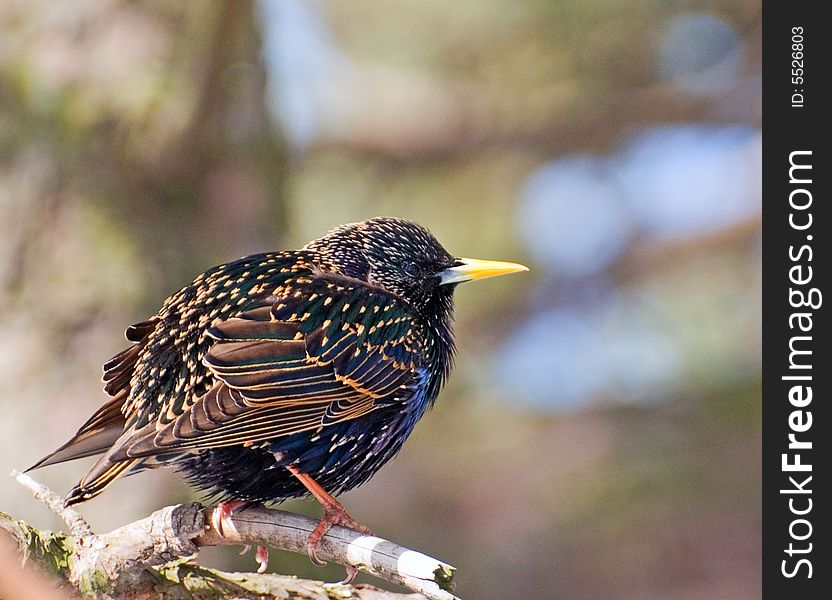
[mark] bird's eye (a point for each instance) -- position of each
(411, 269)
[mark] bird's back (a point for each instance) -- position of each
(169, 374)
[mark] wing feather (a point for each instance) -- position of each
(335, 351)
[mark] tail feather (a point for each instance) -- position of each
(109, 468)
(103, 432)
(102, 474)
(99, 435)
(96, 436)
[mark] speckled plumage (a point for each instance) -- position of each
(322, 359)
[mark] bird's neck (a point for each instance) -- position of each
(438, 320)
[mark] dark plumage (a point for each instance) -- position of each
(285, 367)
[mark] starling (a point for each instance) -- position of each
(284, 374)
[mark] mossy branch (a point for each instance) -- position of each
(152, 556)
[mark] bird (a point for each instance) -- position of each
(283, 374)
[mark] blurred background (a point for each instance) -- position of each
(600, 436)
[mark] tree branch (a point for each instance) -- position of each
(151, 555)
(377, 556)
(78, 526)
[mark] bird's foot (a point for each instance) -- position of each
(224, 511)
(334, 514)
(219, 519)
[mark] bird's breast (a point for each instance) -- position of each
(344, 455)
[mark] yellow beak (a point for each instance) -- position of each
(473, 268)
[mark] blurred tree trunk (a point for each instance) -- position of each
(171, 139)
(217, 187)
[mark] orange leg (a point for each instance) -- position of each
(334, 514)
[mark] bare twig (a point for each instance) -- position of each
(121, 558)
(73, 519)
(377, 556)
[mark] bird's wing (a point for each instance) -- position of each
(329, 351)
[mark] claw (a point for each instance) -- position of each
(312, 550)
(217, 517)
(262, 558)
(351, 573)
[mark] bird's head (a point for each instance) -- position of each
(403, 258)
